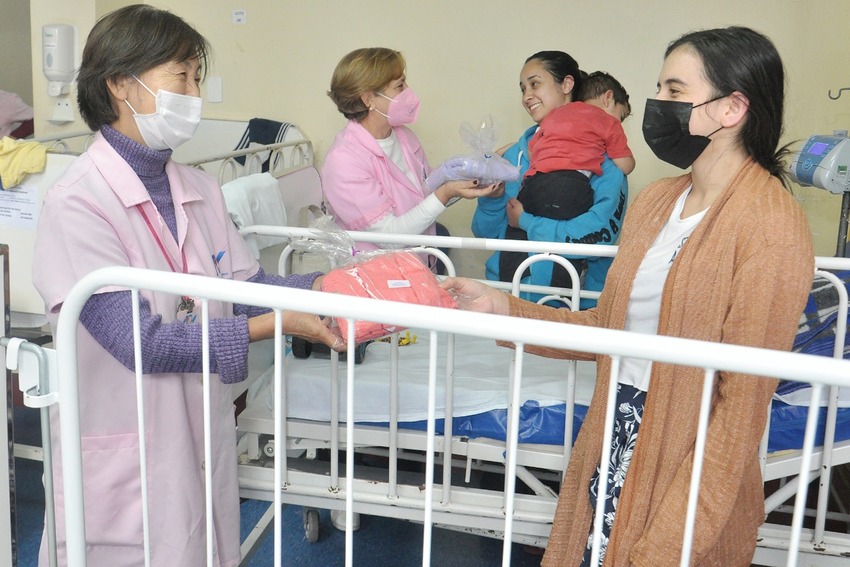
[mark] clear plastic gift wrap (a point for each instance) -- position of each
(483, 163)
(392, 275)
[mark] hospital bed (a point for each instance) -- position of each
(553, 405)
(437, 493)
(553, 402)
(392, 473)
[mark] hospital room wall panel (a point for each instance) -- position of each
(15, 70)
(464, 60)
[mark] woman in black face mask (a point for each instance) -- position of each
(723, 254)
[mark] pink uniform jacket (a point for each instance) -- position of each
(90, 220)
(362, 185)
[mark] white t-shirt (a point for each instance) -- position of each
(392, 148)
(645, 300)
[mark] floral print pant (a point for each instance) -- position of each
(627, 418)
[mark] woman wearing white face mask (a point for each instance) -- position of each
(126, 203)
(375, 175)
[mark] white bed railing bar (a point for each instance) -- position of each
(394, 402)
(459, 242)
(831, 412)
(299, 154)
(140, 412)
(605, 462)
(280, 465)
(821, 371)
(349, 455)
(448, 429)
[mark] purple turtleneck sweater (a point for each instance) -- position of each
(171, 347)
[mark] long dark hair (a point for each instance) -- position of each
(741, 59)
(560, 65)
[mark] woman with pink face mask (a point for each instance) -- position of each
(375, 175)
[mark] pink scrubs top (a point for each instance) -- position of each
(90, 220)
(362, 184)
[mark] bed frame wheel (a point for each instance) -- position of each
(311, 524)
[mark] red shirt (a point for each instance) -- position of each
(576, 136)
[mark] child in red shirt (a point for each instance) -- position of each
(570, 145)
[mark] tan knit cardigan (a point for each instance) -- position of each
(742, 278)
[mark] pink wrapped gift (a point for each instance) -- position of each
(393, 276)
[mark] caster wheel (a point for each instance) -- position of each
(311, 524)
(268, 449)
(301, 348)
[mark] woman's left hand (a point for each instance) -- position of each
(514, 210)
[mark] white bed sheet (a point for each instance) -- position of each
(481, 374)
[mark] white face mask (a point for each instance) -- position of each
(175, 121)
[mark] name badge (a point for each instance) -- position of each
(186, 310)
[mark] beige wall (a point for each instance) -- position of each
(464, 59)
(15, 71)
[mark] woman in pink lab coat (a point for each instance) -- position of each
(126, 203)
(375, 176)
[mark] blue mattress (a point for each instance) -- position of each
(816, 335)
(545, 425)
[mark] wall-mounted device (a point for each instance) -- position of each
(57, 47)
(824, 162)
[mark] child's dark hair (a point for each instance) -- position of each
(597, 83)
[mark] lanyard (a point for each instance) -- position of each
(161, 246)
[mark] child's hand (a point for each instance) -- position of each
(514, 210)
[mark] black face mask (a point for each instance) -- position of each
(665, 129)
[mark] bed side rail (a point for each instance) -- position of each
(282, 157)
(823, 372)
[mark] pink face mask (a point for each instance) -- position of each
(403, 109)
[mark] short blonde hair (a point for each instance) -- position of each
(359, 72)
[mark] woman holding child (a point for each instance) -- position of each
(722, 253)
(375, 175)
(549, 80)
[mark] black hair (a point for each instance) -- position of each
(560, 65)
(127, 42)
(598, 83)
(743, 60)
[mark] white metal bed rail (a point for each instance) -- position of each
(282, 156)
(819, 371)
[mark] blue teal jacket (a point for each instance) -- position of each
(600, 225)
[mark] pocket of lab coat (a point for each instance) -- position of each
(112, 489)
